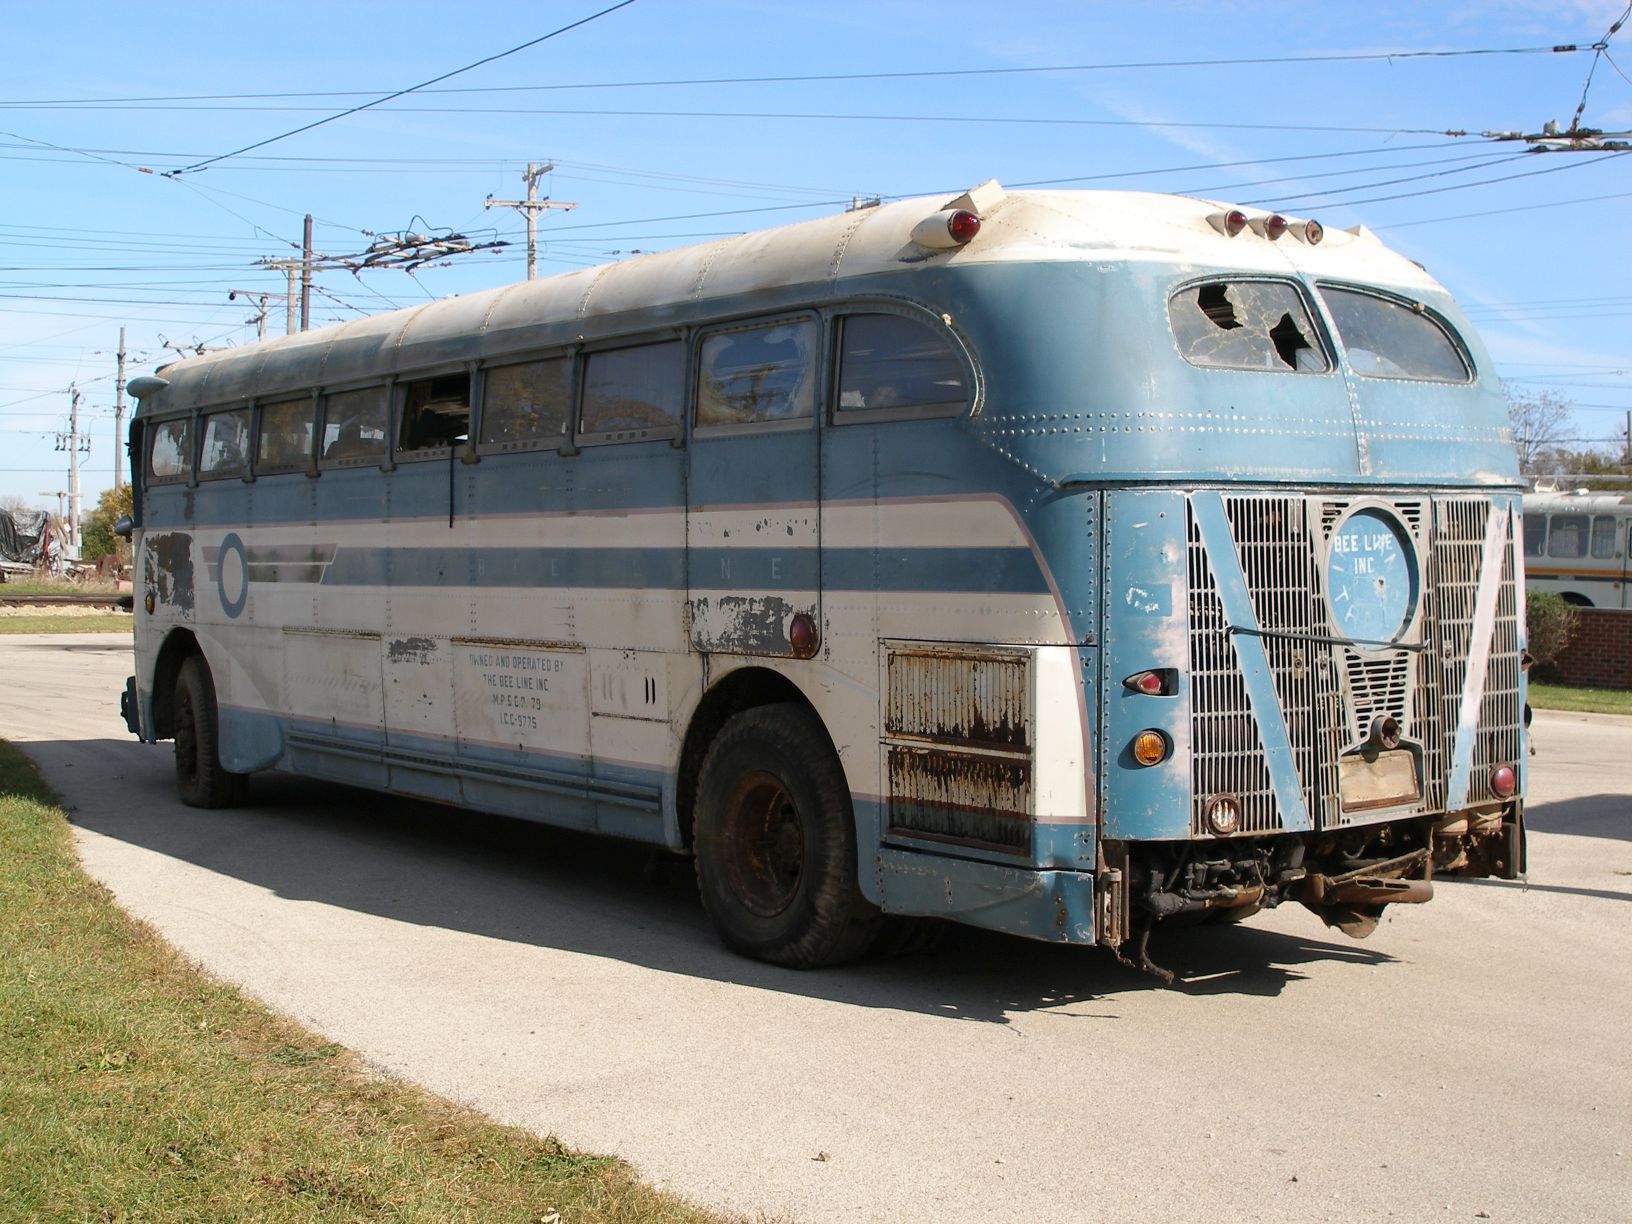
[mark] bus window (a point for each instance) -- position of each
(527, 403)
(1246, 325)
(355, 426)
(171, 457)
(762, 373)
(226, 445)
(1535, 535)
(892, 362)
(435, 413)
(1603, 536)
(1389, 339)
(286, 436)
(633, 392)
(1568, 536)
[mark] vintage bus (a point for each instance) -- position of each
(1058, 562)
(1576, 546)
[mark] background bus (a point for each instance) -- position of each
(1575, 545)
(1058, 562)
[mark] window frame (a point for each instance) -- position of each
(674, 435)
(246, 472)
(153, 427)
(468, 370)
(1586, 535)
(1415, 306)
(1323, 335)
(833, 338)
(324, 395)
(819, 372)
(561, 444)
(308, 465)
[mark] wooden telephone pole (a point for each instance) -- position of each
(530, 208)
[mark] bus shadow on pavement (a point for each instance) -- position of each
(1608, 816)
(420, 863)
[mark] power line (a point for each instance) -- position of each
(1410, 195)
(803, 78)
(533, 42)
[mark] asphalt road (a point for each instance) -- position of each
(1471, 1060)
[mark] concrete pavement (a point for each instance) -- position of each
(1473, 1056)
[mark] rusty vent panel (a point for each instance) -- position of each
(957, 739)
(981, 699)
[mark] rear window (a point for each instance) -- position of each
(1390, 338)
(1246, 325)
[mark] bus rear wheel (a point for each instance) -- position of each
(201, 780)
(776, 842)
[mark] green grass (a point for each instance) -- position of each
(134, 1088)
(1591, 701)
(56, 622)
(56, 586)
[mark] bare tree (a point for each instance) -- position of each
(1541, 422)
(14, 504)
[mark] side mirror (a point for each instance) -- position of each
(123, 526)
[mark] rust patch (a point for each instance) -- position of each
(977, 698)
(745, 624)
(411, 650)
(168, 573)
(961, 796)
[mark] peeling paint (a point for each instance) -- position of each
(744, 624)
(411, 650)
(168, 573)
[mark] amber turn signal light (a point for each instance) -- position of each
(1151, 747)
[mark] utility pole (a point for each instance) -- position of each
(73, 443)
(306, 276)
(530, 208)
(119, 416)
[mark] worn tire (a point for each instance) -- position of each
(201, 781)
(776, 842)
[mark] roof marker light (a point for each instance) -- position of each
(1229, 223)
(950, 227)
(1274, 226)
(1313, 232)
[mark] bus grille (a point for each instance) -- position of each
(1330, 694)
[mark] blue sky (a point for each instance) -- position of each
(89, 241)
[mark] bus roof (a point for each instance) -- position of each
(1101, 227)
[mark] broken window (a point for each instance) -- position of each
(527, 404)
(286, 436)
(226, 445)
(435, 413)
(764, 373)
(1387, 338)
(634, 393)
(1246, 325)
(355, 425)
(890, 361)
(171, 456)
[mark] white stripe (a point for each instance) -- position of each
(1482, 632)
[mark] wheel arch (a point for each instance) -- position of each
(742, 689)
(178, 647)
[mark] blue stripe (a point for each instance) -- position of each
(1007, 571)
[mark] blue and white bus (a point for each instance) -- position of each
(1058, 562)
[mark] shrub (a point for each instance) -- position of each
(1552, 623)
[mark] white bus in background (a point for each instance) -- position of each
(1575, 545)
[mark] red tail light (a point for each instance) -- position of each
(962, 225)
(1274, 226)
(1504, 781)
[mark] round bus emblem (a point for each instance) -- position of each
(232, 575)
(1371, 576)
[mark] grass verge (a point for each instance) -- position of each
(56, 622)
(133, 1087)
(1590, 701)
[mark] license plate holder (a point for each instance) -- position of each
(1384, 780)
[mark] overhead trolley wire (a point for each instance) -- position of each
(532, 42)
(798, 78)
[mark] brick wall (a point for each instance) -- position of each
(1600, 653)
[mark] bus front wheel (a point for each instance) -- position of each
(776, 842)
(201, 780)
